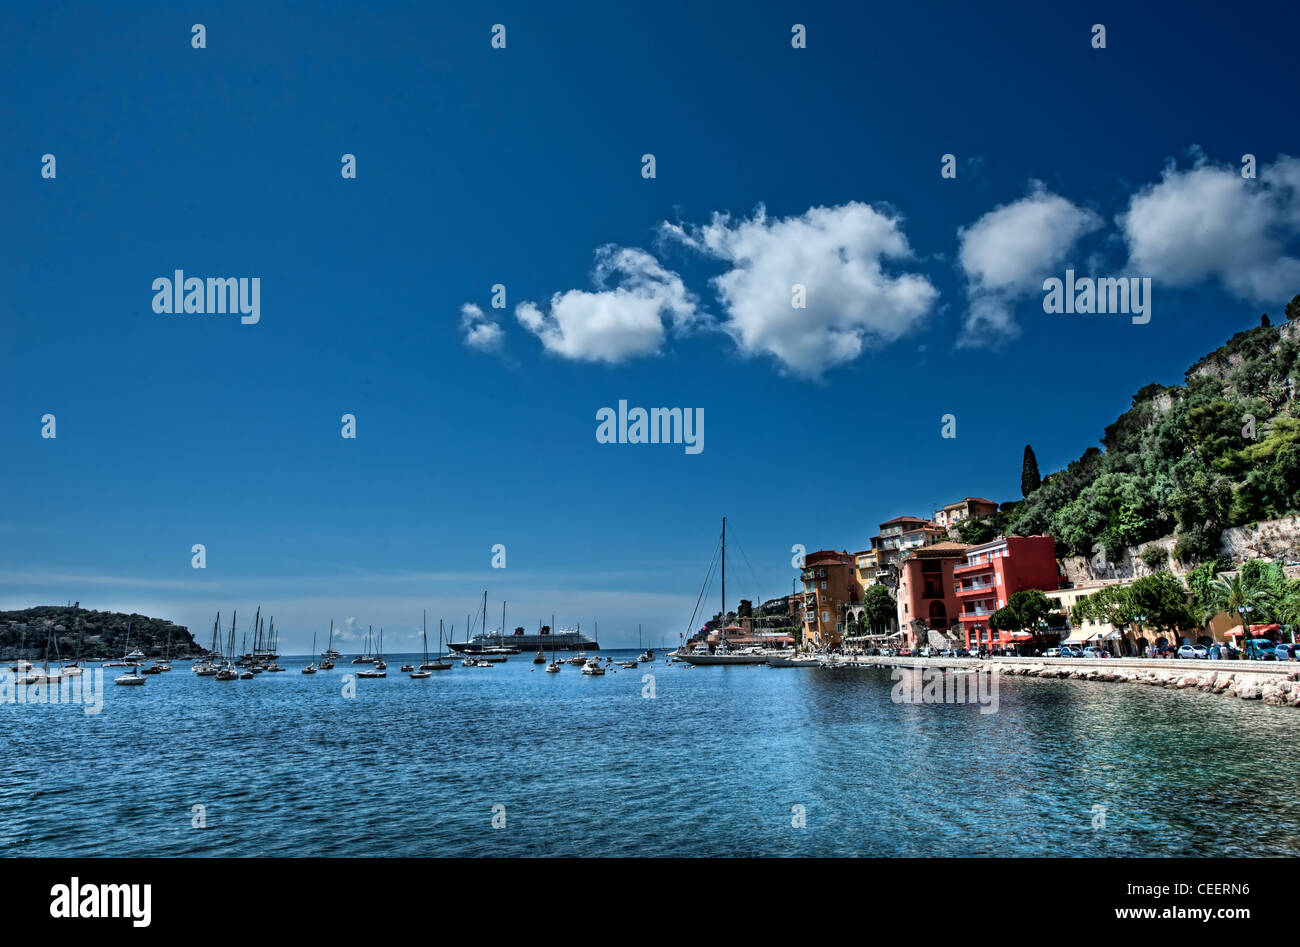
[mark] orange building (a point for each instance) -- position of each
(829, 589)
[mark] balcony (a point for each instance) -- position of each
(984, 589)
(971, 568)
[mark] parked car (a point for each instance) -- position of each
(1052, 653)
(1192, 651)
(1261, 649)
(1287, 652)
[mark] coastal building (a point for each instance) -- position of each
(964, 509)
(896, 537)
(993, 572)
(927, 596)
(830, 587)
(1095, 632)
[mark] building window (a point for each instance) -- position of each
(826, 616)
(823, 584)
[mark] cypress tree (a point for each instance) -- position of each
(1029, 479)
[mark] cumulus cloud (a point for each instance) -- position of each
(1208, 223)
(623, 319)
(478, 330)
(1007, 253)
(838, 254)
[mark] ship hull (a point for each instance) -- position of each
(519, 644)
(723, 658)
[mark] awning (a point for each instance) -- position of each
(1021, 635)
(1078, 635)
(1256, 631)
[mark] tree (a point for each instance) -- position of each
(1029, 478)
(1162, 603)
(878, 608)
(1023, 612)
(745, 609)
(1293, 308)
(1233, 594)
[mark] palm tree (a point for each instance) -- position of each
(1288, 611)
(1232, 594)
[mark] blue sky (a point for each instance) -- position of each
(478, 166)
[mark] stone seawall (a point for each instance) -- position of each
(1273, 683)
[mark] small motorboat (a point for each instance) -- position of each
(373, 672)
(554, 667)
(407, 667)
(593, 668)
(227, 673)
(153, 669)
(309, 669)
(539, 658)
(627, 665)
(421, 675)
(245, 675)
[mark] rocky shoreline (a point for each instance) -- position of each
(1282, 689)
(1273, 683)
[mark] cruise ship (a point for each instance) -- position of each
(493, 642)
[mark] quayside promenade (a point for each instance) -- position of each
(1273, 682)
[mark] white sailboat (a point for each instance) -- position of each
(311, 668)
(134, 677)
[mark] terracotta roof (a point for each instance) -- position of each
(904, 519)
(940, 550)
(826, 555)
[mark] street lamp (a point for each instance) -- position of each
(1140, 620)
(1244, 612)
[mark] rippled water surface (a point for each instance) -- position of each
(712, 765)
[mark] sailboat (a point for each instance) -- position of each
(74, 669)
(228, 672)
(311, 668)
(406, 668)
(380, 664)
(423, 672)
(205, 667)
(328, 656)
(723, 653)
(365, 658)
(649, 653)
(540, 656)
(133, 677)
(442, 664)
(380, 668)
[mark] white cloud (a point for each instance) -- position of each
(1007, 253)
(838, 255)
(480, 332)
(614, 324)
(1210, 223)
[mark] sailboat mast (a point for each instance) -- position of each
(724, 580)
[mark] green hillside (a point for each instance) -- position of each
(105, 634)
(1220, 450)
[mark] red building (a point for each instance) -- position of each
(995, 571)
(927, 597)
